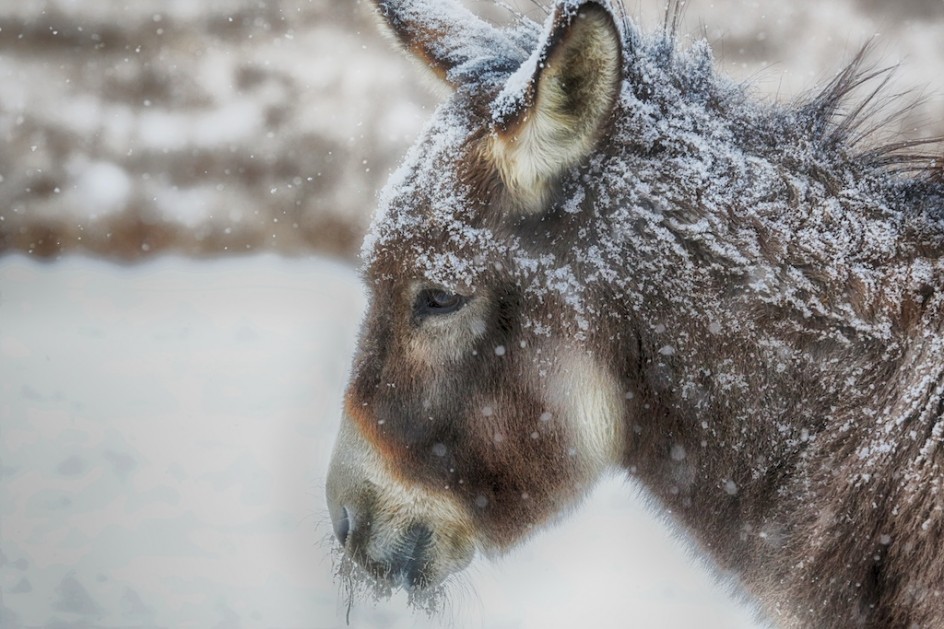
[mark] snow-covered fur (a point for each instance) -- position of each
(578, 268)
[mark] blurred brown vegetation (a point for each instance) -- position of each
(229, 126)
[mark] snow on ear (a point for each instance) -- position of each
(456, 44)
(551, 112)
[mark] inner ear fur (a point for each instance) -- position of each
(556, 121)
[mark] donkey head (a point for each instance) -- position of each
(476, 410)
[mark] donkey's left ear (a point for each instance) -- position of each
(452, 41)
(551, 113)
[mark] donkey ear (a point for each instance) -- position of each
(552, 111)
(455, 43)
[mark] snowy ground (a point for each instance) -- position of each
(164, 434)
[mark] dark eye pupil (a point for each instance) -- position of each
(442, 300)
(435, 301)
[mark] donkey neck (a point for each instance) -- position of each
(755, 320)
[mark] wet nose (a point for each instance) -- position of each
(342, 524)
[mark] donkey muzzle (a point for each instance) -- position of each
(409, 557)
(402, 535)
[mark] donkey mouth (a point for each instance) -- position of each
(410, 563)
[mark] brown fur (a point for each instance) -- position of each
(733, 302)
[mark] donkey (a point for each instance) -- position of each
(601, 255)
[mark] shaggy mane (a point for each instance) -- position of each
(842, 116)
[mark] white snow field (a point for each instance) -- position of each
(164, 434)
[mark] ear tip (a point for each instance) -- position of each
(573, 7)
(600, 16)
(603, 12)
(459, 47)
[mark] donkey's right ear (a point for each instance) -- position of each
(554, 109)
(447, 37)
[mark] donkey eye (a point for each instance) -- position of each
(435, 301)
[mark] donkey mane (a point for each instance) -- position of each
(847, 116)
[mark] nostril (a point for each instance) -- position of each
(342, 526)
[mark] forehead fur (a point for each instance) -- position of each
(428, 218)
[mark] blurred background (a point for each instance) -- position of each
(231, 126)
(183, 190)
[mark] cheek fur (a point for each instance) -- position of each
(536, 442)
(513, 430)
(591, 401)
